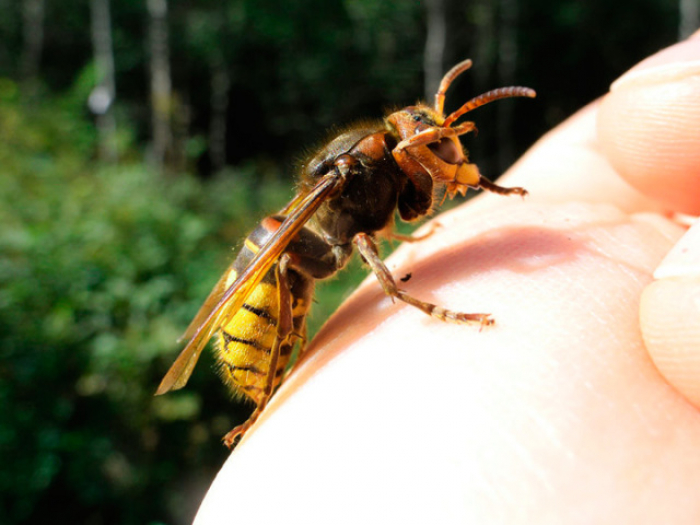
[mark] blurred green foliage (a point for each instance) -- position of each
(103, 266)
(101, 269)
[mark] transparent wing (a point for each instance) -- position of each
(221, 305)
(211, 301)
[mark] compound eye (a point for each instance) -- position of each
(447, 151)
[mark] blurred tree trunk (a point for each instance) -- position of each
(33, 36)
(102, 96)
(507, 66)
(484, 44)
(434, 53)
(220, 82)
(161, 86)
(689, 15)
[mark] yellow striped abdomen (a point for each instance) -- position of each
(244, 345)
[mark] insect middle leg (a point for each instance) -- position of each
(369, 253)
(284, 329)
(394, 236)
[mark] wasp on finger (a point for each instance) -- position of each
(348, 194)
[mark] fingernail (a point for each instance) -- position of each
(657, 74)
(684, 258)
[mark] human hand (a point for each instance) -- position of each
(556, 414)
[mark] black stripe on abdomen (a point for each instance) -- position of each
(263, 314)
(228, 338)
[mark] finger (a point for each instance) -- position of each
(649, 126)
(670, 316)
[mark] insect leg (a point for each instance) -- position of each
(433, 135)
(369, 253)
(486, 184)
(284, 329)
(434, 226)
(300, 336)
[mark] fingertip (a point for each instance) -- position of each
(649, 126)
(670, 324)
(683, 260)
(670, 316)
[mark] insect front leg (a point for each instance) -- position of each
(486, 184)
(284, 329)
(369, 253)
(433, 135)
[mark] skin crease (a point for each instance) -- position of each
(557, 414)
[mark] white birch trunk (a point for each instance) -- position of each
(507, 65)
(433, 57)
(220, 83)
(689, 15)
(102, 97)
(161, 87)
(33, 36)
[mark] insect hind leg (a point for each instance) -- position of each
(369, 253)
(284, 330)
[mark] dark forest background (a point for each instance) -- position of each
(141, 140)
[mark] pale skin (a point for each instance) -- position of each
(580, 405)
